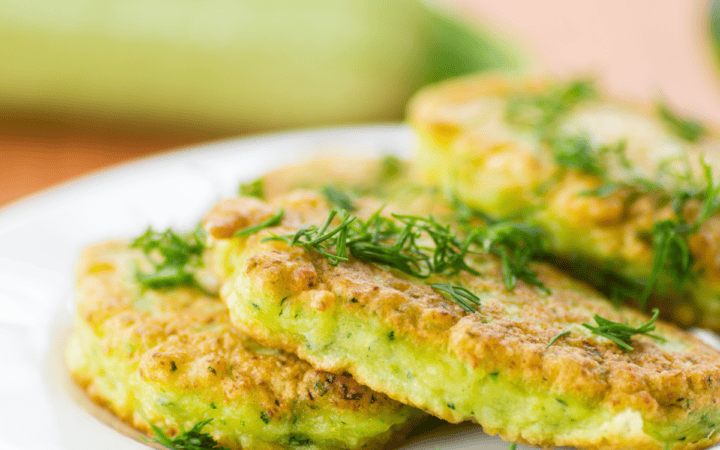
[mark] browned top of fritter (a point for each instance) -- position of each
(446, 109)
(183, 340)
(510, 331)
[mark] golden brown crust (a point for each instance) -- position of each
(183, 340)
(345, 173)
(233, 214)
(665, 381)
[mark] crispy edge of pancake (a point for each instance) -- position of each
(170, 351)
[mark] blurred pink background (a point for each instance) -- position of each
(639, 49)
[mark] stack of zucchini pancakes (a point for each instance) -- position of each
(516, 274)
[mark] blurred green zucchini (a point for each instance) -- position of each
(231, 65)
(714, 28)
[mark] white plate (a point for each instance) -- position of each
(40, 240)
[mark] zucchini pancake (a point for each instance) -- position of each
(453, 324)
(628, 197)
(168, 361)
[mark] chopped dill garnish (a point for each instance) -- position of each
(542, 110)
(269, 222)
(420, 246)
(669, 237)
(338, 198)
(710, 196)
(193, 439)
(459, 295)
(517, 244)
(576, 152)
(448, 256)
(621, 333)
(385, 241)
(325, 240)
(687, 129)
(366, 241)
(671, 252)
(557, 336)
(175, 257)
(253, 189)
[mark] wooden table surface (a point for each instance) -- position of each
(639, 48)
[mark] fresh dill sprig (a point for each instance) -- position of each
(517, 244)
(621, 333)
(576, 152)
(193, 439)
(459, 295)
(253, 189)
(330, 242)
(175, 257)
(448, 252)
(670, 254)
(338, 198)
(711, 195)
(421, 246)
(269, 222)
(392, 243)
(381, 240)
(557, 336)
(542, 111)
(687, 129)
(671, 251)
